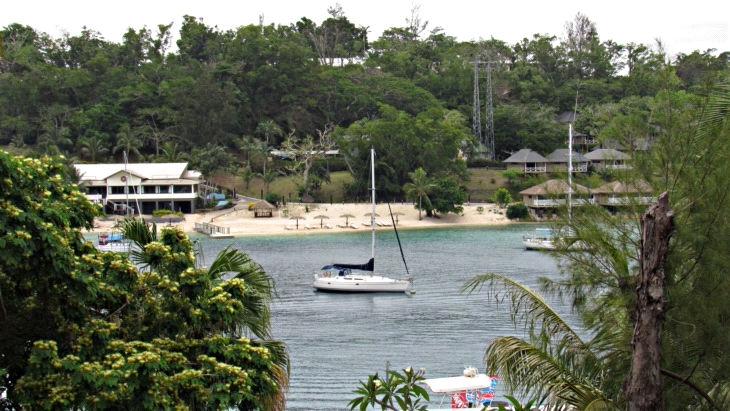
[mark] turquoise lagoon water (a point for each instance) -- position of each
(335, 340)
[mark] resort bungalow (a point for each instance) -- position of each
(150, 186)
(583, 142)
(543, 199)
(558, 161)
(608, 159)
(527, 161)
(618, 193)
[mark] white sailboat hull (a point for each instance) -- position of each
(538, 244)
(360, 284)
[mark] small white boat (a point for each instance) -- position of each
(112, 242)
(542, 240)
(340, 277)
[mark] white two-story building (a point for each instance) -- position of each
(149, 186)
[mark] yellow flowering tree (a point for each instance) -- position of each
(156, 332)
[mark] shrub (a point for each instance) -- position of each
(502, 197)
(273, 198)
(480, 209)
(163, 212)
(250, 206)
(517, 210)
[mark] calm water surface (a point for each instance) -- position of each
(335, 340)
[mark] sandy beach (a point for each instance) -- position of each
(241, 221)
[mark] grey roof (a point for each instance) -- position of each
(607, 154)
(566, 117)
(560, 155)
(526, 156)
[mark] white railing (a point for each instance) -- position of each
(536, 169)
(580, 168)
(94, 198)
(629, 200)
(618, 166)
(210, 229)
(557, 202)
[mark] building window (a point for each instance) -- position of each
(148, 189)
(164, 189)
(133, 190)
(117, 189)
(182, 189)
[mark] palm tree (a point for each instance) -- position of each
(268, 129)
(554, 363)
(228, 265)
(419, 187)
(93, 146)
(127, 141)
(247, 175)
(171, 152)
(268, 178)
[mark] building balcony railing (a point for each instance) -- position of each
(557, 202)
(536, 169)
(147, 197)
(95, 198)
(629, 200)
(618, 166)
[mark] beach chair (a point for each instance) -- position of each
(342, 226)
(328, 226)
(353, 226)
(288, 227)
(366, 224)
(386, 224)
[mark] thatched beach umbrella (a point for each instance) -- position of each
(396, 214)
(369, 214)
(347, 218)
(297, 217)
(321, 219)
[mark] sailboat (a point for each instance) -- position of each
(359, 278)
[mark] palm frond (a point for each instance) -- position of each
(140, 234)
(534, 372)
(260, 290)
(527, 308)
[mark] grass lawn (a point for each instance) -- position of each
(286, 186)
(483, 182)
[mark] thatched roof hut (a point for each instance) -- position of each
(263, 208)
(553, 188)
(620, 187)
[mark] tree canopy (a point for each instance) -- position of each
(85, 329)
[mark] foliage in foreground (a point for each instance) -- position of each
(84, 329)
(587, 370)
(395, 391)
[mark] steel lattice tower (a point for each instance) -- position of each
(476, 124)
(489, 134)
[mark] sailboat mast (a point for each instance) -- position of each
(126, 184)
(372, 185)
(570, 171)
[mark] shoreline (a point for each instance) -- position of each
(242, 223)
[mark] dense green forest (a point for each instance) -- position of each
(221, 97)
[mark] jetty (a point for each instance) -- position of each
(213, 231)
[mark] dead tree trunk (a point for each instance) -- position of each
(644, 386)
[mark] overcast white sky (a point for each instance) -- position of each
(682, 26)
